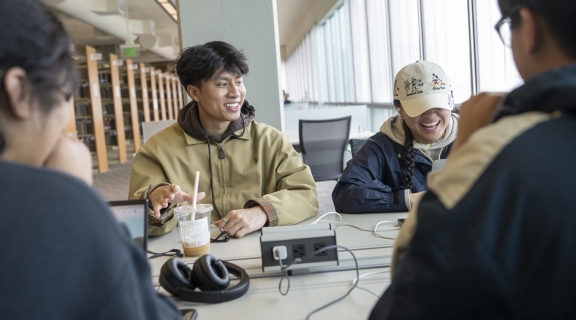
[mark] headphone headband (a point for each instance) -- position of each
(189, 294)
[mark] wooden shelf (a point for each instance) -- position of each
(96, 106)
(135, 121)
(82, 101)
(117, 103)
(118, 112)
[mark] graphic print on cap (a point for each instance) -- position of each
(437, 83)
(412, 87)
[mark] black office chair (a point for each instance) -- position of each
(323, 143)
(356, 145)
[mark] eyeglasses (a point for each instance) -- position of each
(170, 253)
(504, 26)
(222, 233)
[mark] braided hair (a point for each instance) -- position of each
(409, 160)
(408, 147)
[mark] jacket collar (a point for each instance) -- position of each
(189, 121)
(238, 134)
(548, 92)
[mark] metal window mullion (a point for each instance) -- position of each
(473, 30)
(369, 52)
(421, 27)
(390, 62)
(355, 99)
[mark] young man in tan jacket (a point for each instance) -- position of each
(249, 170)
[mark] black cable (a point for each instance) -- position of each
(298, 260)
(211, 185)
(210, 164)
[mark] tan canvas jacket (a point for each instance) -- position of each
(261, 165)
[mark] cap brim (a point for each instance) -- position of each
(417, 106)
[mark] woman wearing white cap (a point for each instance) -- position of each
(389, 172)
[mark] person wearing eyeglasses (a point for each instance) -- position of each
(389, 172)
(64, 255)
(495, 234)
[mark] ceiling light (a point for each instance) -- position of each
(170, 7)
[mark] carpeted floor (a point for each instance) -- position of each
(113, 184)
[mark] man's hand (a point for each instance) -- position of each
(72, 157)
(475, 113)
(161, 196)
(239, 222)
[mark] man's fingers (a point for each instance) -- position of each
(174, 188)
(186, 196)
(242, 232)
(200, 195)
(157, 210)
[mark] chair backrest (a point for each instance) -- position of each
(151, 128)
(323, 143)
(356, 145)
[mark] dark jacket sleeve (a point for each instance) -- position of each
(368, 184)
(121, 275)
(446, 274)
(135, 297)
(74, 261)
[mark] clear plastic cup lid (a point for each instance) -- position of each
(200, 208)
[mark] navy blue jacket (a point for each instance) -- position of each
(495, 235)
(373, 180)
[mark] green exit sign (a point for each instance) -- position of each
(130, 52)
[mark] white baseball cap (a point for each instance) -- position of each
(422, 86)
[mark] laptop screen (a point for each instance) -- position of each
(134, 215)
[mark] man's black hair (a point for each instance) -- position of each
(199, 63)
(558, 15)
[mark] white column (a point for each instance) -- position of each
(252, 27)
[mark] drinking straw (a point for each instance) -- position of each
(195, 193)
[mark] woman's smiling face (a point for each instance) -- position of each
(429, 126)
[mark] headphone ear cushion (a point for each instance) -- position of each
(175, 274)
(210, 274)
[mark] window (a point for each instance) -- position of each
(358, 25)
(379, 49)
(404, 35)
(496, 68)
(330, 66)
(447, 42)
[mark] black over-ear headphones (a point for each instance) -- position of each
(208, 274)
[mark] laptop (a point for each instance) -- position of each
(134, 215)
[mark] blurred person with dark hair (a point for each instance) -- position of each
(55, 263)
(249, 170)
(495, 234)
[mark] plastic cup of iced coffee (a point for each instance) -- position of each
(194, 226)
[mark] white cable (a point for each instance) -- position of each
(375, 231)
(326, 214)
(368, 290)
(355, 281)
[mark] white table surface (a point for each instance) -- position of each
(307, 292)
